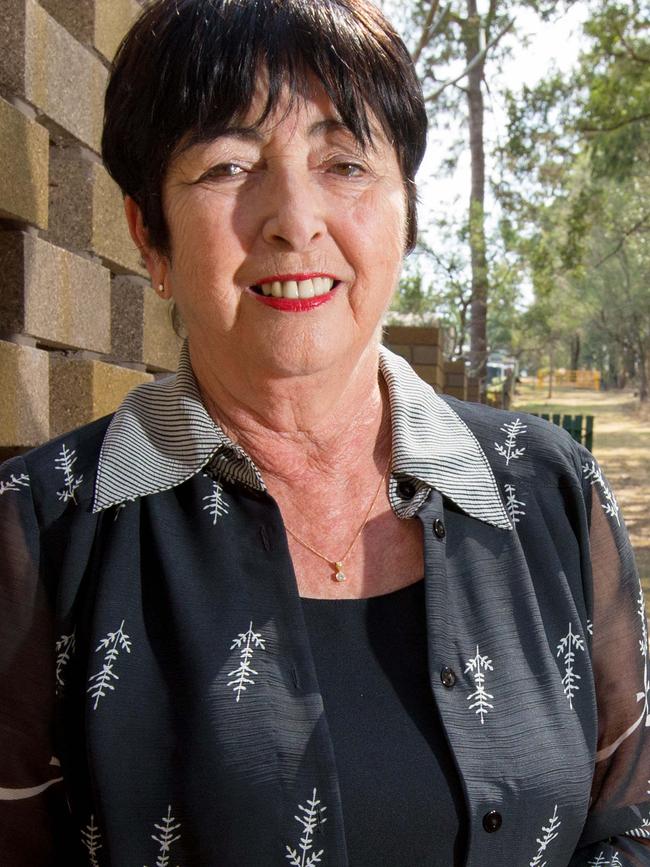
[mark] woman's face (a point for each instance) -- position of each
(259, 218)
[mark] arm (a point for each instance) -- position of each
(617, 831)
(33, 814)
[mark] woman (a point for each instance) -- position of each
(287, 615)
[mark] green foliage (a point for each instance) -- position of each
(574, 189)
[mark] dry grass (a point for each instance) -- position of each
(621, 445)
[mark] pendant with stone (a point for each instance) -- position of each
(339, 573)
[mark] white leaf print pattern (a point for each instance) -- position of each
(91, 839)
(549, 834)
(509, 450)
(567, 649)
(166, 837)
(102, 680)
(247, 642)
(513, 505)
(644, 828)
(601, 861)
(65, 647)
(311, 819)
(65, 464)
(215, 504)
(15, 483)
(592, 471)
(479, 699)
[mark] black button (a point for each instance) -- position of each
(492, 821)
(448, 677)
(406, 490)
(439, 528)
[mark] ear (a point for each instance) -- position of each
(156, 263)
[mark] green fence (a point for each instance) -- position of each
(581, 427)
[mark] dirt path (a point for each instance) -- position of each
(621, 445)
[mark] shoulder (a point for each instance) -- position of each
(521, 446)
(60, 473)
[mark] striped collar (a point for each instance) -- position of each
(162, 435)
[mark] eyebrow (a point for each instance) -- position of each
(319, 127)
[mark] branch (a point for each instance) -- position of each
(478, 58)
(434, 19)
(615, 126)
(631, 52)
(644, 219)
(489, 18)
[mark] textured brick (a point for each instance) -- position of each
(97, 23)
(78, 17)
(161, 343)
(23, 167)
(456, 391)
(413, 335)
(404, 351)
(44, 64)
(13, 39)
(112, 20)
(87, 210)
(24, 405)
(473, 390)
(430, 373)
(127, 313)
(110, 232)
(53, 295)
(83, 390)
(428, 355)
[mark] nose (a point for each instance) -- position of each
(294, 219)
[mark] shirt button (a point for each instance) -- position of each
(492, 821)
(406, 490)
(448, 677)
(439, 528)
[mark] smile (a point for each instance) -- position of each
(295, 292)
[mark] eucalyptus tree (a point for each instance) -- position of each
(455, 45)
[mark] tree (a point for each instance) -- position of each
(452, 45)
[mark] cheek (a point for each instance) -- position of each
(379, 226)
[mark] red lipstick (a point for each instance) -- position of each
(294, 305)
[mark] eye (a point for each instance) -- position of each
(223, 170)
(348, 169)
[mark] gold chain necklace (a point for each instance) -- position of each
(337, 565)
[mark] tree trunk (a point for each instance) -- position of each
(478, 329)
(551, 371)
(575, 351)
(644, 359)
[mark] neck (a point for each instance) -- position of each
(328, 423)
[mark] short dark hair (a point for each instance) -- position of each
(189, 68)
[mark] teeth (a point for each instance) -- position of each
(298, 289)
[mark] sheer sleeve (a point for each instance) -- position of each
(617, 831)
(32, 805)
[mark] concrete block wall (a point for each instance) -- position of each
(79, 323)
(422, 347)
